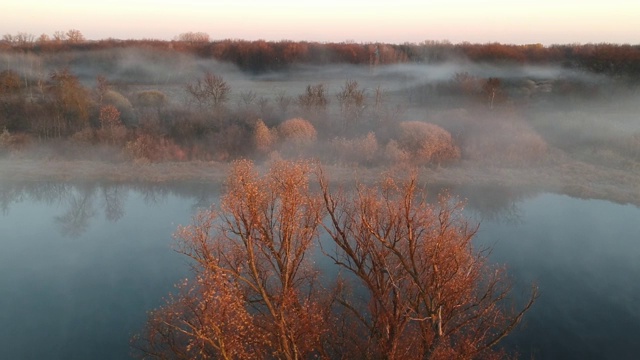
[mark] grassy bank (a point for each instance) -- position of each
(573, 178)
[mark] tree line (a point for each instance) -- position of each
(262, 56)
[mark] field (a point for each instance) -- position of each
(145, 113)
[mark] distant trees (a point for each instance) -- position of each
(193, 37)
(352, 102)
(74, 36)
(210, 91)
(314, 101)
(19, 39)
(416, 288)
(263, 56)
(491, 89)
(71, 103)
(22, 39)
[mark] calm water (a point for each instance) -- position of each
(80, 265)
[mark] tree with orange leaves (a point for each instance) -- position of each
(255, 294)
(428, 293)
(414, 286)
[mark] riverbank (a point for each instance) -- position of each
(573, 178)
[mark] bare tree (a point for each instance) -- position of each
(314, 100)
(211, 90)
(491, 89)
(429, 293)
(352, 102)
(43, 39)
(74, 36)
(59, 36)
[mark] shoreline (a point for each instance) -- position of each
(574, 178)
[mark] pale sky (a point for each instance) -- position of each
(393, 21)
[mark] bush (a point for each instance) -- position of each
(394, 154)
(9, 82)
(86, 136)
(427, 143)
(362, 150)
(150, 99)
(263, 138)
(121, 103)
(297, 131)
(152, 148)
(13, 142)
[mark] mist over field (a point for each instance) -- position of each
(497, 110)
(95, 136)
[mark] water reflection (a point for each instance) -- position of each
(81, 264)
(75, 221)
(82, 202)
(114, 198)
(492, 202)
(84, 299)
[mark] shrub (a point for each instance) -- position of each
(263, 138)
(362, 150)
(314, 99)
(394, 154)
(297, 131)
(84, 136)
(427, 143)
(153, 148)
(9, 82)
(150, 98)
(13, 142)
(109, 116)
(121, 103)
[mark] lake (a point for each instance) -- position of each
(82, 264)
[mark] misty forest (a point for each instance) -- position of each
(337, 200)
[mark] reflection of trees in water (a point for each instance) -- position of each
(45, 192)
(203, 194)
(75, 221)
(82, 201)
(204, 197)
(9, 194)
(153, 194)
(495, 203)
(114, 197)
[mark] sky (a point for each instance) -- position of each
(391, 21)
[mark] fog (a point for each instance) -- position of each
(498, 113)
(510, 139)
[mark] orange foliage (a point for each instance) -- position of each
(427, 143)
(298, 131)
(428, 292)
